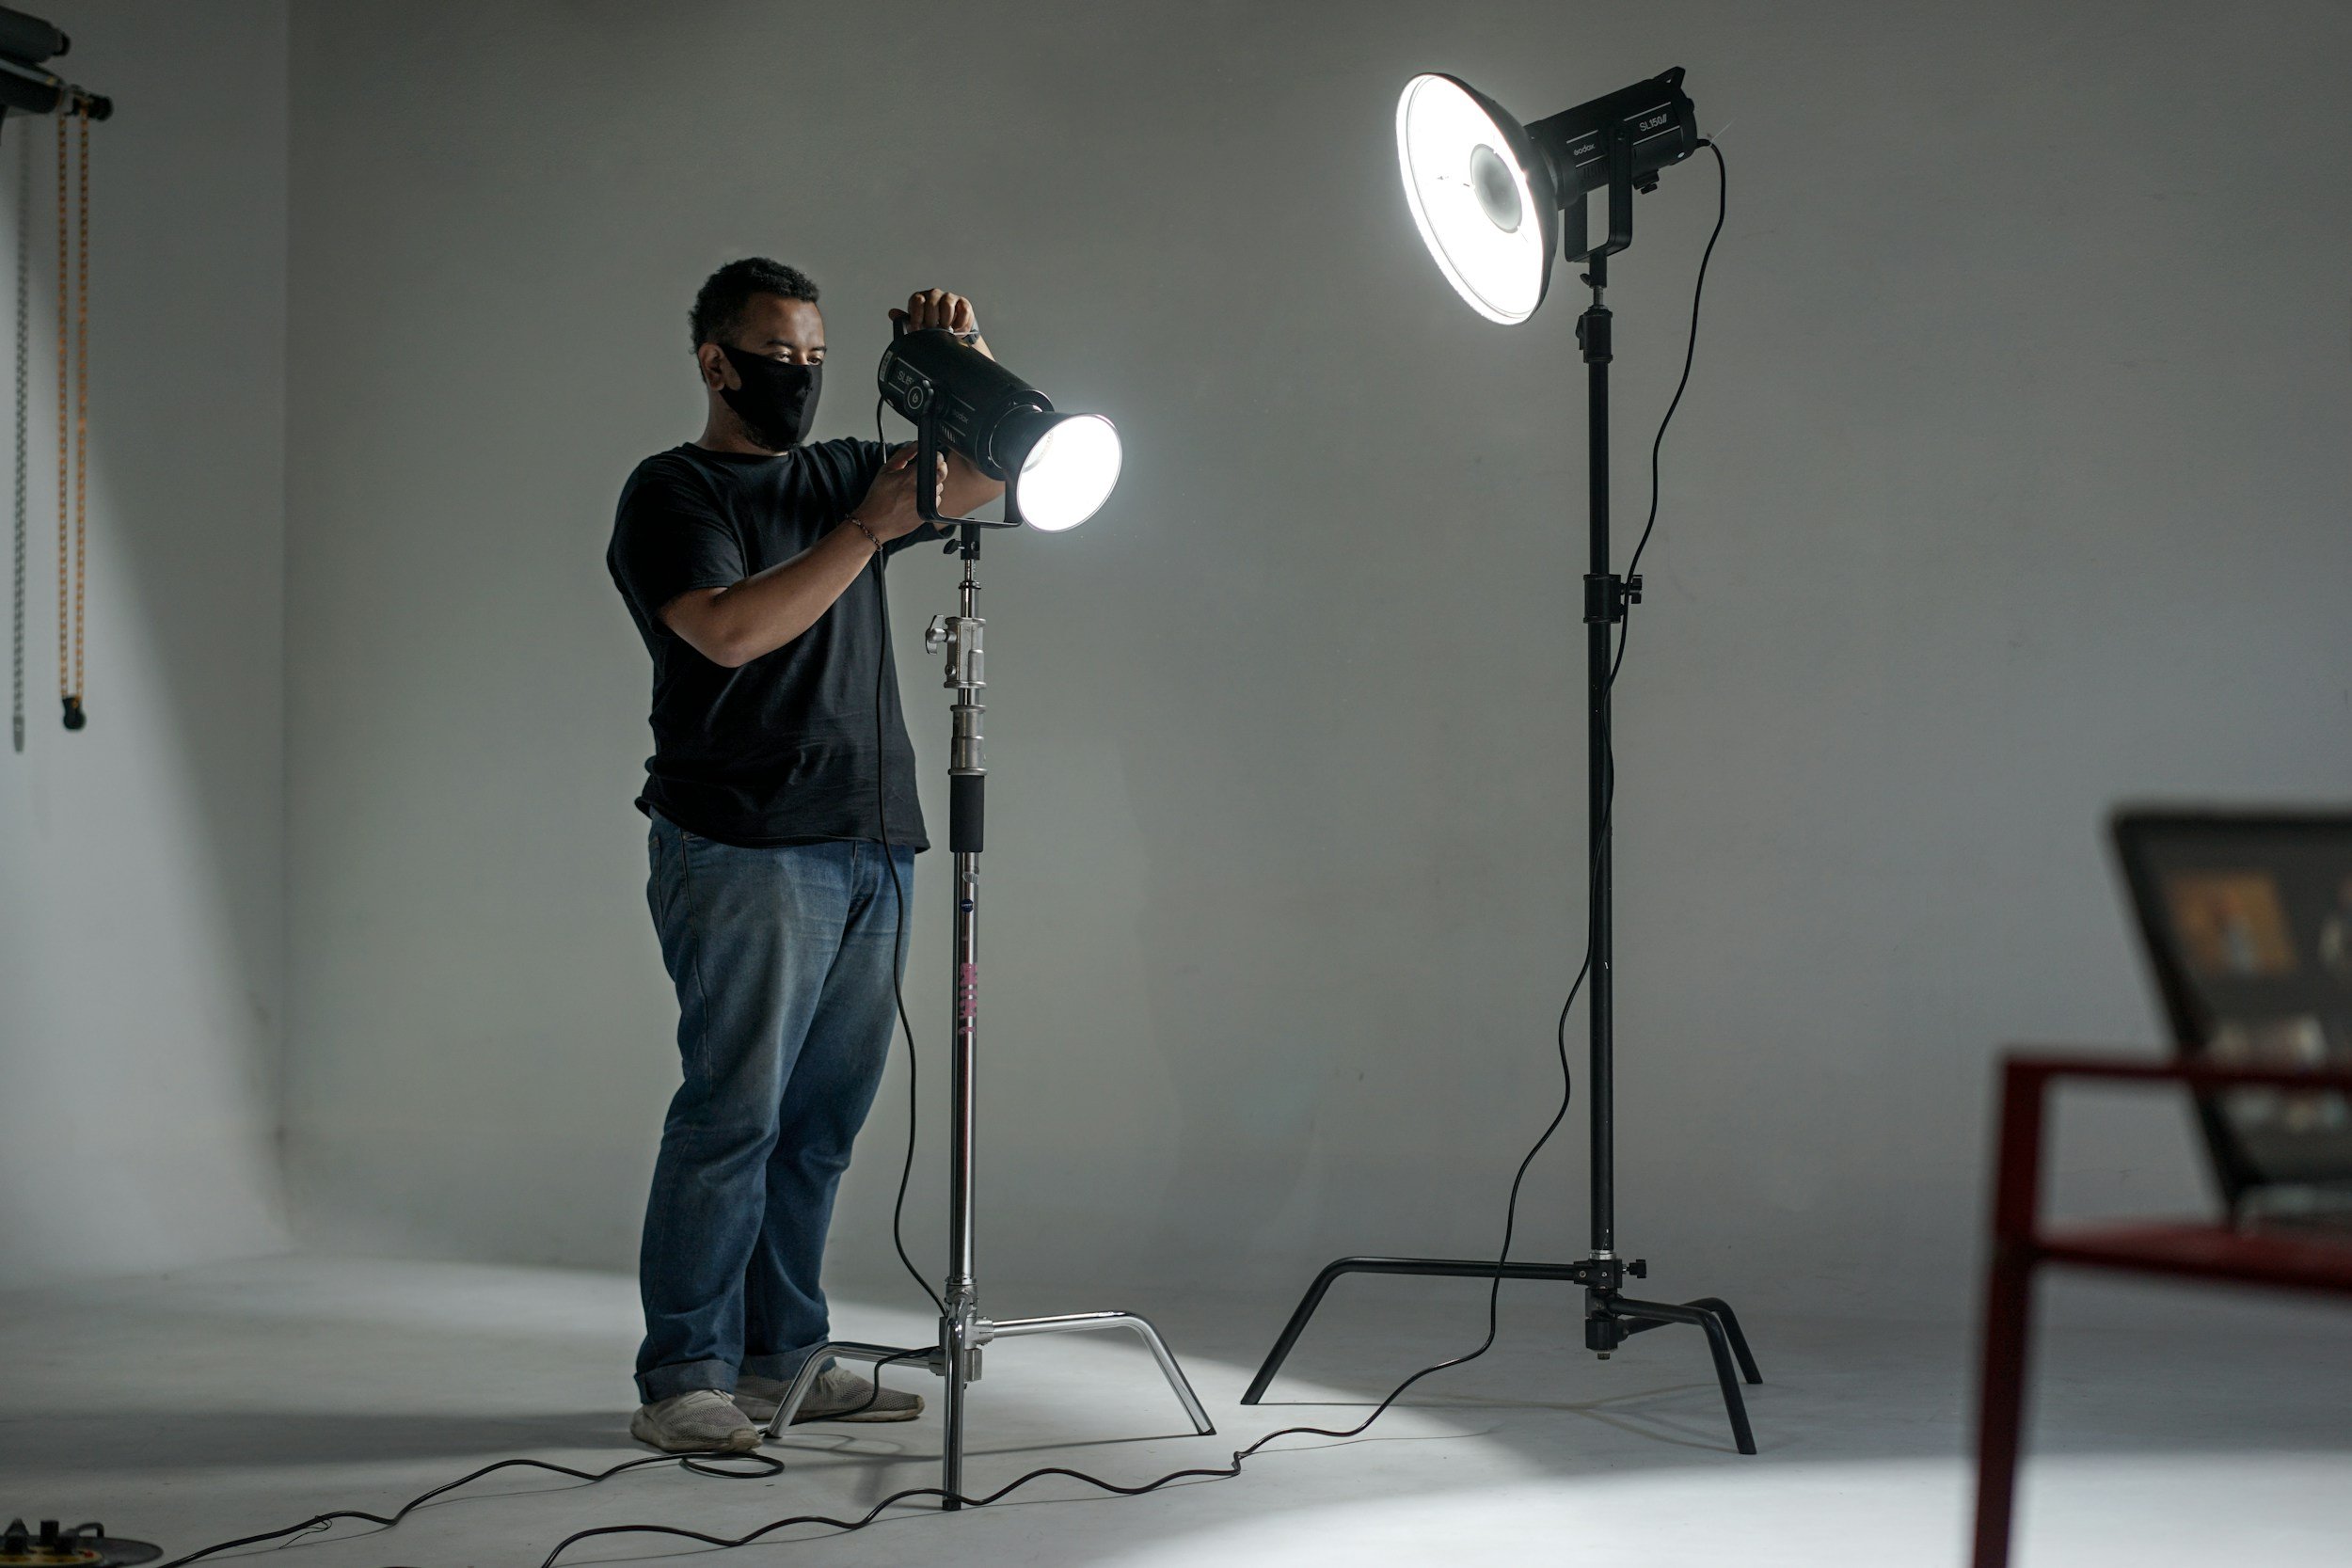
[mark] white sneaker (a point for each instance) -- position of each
(701, 1420)
(835, 1396)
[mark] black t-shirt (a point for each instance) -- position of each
(781, 751)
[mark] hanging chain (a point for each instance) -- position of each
(24, 358)
(73, 439)
(81, 416)
(65, 315)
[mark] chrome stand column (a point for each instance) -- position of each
(960, 1340)
(963, 1329)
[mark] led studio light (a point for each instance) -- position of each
(1058, 468)
(1487, 193)
(1492, 198)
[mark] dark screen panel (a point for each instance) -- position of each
(2247, 923)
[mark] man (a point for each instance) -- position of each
(781, 768)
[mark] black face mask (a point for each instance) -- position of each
(777, 402)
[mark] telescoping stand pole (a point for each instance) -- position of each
(1610, 1317)
(964, 1331)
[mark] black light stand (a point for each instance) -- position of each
(1610, 1317)
(963, 1330)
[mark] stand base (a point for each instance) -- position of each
(1609, 1317)
(960, 1370)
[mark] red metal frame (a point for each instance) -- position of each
(2187, 1249)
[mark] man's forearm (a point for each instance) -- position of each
(735, 624)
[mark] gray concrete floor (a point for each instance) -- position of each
(2216, 1429)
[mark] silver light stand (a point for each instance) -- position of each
(963, 1330)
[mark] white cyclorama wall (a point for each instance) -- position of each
(2010, 484)
(141, 860)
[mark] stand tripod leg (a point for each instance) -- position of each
(1721, 1309)
(1730, 1321)
(1291, 1330)
(1718, 1345)
(1081, 1323)
(956, 1348)
(836, 1349)
(1452, 1268)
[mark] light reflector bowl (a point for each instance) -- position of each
(1481, 197)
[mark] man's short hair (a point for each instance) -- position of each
(718, 312)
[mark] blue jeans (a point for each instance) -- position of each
(782, 964)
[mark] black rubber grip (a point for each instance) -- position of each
(966, 795)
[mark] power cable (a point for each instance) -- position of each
(898, 936)
(701, 1464)
(1690, 353)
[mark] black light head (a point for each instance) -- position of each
(931, 374)
(1655, 120)
(1060, 467)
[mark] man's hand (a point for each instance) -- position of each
(888, 508)
(937, 307)
(963, 488)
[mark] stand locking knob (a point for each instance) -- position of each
(935, 635)
(1639, 1268)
